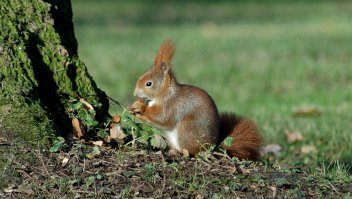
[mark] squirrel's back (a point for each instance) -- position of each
(197, 118)
(194, 98)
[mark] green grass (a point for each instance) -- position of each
(262, 59)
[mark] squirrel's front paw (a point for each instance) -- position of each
(137, 108)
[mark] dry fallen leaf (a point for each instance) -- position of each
(87, 105)
(116, 118)
(78, 130)
(274, 149)
(293, 136)
(9, 189)
(20, 189)
(199, 197)
(246, 171)
(64, 161)
(112, 124)
(98, 143)
(254, 186)
(307, 112)
(274, 189)
(232, 169)
(308, 149)
(185, 153)
(24, 189)
(117, 133)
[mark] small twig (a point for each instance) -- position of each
(151, 186)
(118, 103)
(20, 169)
(39, 156)
(114, 173)
(95, 189)
(222, 155)
(24, 172)
(207, 163)
(332, 186)
(62, 173)
(164, 181)
(107, 162)
(133, 141)
(84, 164)
(81, 191)
(90, 172)
(77, 95)
(77, 158)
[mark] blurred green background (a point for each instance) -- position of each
(285, 64)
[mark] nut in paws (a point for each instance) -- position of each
(138, 107)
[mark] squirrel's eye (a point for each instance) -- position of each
(149, 84)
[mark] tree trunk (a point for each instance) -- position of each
(40, 72)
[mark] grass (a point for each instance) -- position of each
(284, 64)
(266, 60)
(147, 175)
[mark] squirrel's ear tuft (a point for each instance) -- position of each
(165, 53)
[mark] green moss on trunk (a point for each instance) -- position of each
(40, 70)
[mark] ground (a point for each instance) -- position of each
(284, 64)
(85, 171)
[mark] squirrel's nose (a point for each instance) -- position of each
(135, 93)
(139, 93)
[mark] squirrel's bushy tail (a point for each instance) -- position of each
(246, 138)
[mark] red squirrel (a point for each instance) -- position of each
(187, 114)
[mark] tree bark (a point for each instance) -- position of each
(40, 72)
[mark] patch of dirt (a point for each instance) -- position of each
(102, 172)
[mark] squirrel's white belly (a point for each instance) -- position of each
(172, 138)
